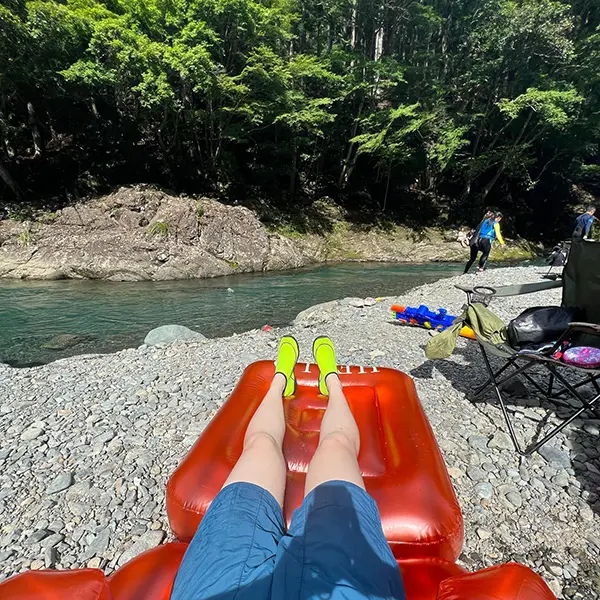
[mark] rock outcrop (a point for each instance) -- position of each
(140, 233)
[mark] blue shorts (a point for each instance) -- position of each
(335, 549)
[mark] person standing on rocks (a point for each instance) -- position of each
(487, 232)
(335, 547)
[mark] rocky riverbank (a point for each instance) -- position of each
(141, 233)
(89, 442)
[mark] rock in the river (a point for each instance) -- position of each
(166, 334)
(64, 341)
(139, 233)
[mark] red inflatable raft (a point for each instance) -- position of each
(403, 470)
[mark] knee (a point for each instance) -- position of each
(340, 440)
(261, 440)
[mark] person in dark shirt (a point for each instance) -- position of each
(583, 224)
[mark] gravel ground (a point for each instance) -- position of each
(87, 443)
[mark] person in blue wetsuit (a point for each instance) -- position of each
(334, 548)
(489, 230)
(583, 224)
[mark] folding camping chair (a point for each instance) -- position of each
(557, 258)
(581, 290)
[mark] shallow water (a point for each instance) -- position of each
(41, 321)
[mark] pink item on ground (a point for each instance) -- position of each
(583, 356)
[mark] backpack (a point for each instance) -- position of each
(487, 229)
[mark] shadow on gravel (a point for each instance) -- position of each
(466, 372)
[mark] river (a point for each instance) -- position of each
(41, 321)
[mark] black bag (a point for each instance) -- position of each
(472, 237)
(539, 325)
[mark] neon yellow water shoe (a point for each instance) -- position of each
(324, 353)
(286, 361)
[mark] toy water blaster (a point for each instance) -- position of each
(423, 317)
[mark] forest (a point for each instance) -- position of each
(428, 111)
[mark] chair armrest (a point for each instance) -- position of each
(592, 328)
(463, 288)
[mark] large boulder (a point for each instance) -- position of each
(165, 334)
(142, 233)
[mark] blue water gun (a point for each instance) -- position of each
(423, 317)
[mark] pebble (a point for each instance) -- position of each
(455, 473)
(31, 434)
(515, 499)
(50, 557)
(502, 441)
(145, 542)
(476, 473)
(94, 563)
(52, 540)
(555, 456)
(484, 490)
(554, 568)
(478, 442)
(593, 428)
(561, 479)
(36, 537)
(98, 545)
(60, 482)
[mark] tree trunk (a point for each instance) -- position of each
(350, 160)
(94, 108)
(490, 185)
(379, 43)
(35, 132)
(446, 28)
(354, 17)
(294, 167)
(387, 186)
(9, 181)
(488, 188)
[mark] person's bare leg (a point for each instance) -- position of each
(339, 442)
(262, 461)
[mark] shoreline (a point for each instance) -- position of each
(118, 424)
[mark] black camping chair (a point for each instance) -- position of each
(581, 290)
(557, 258)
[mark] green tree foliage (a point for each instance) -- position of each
(431, 110)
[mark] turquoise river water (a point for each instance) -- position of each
(41, 321)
